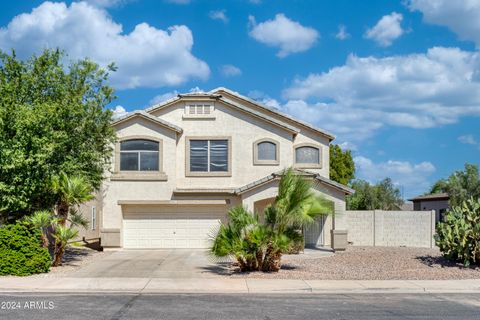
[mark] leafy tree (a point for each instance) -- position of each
(460, 185)
(260, 246)
(342, 167)
(52, 119)
(382, 196)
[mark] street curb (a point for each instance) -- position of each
(232, 286)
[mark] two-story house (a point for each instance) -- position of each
(180, 165)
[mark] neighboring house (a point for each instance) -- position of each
(437, 202)
(407, 206)
(180, 165)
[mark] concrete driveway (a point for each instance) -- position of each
(174, 263)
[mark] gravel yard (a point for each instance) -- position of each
(74, 259)
(370, 263)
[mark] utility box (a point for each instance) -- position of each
(339, 239)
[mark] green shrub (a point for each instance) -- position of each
(458, 237)
(21, 251)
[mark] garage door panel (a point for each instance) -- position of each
(170, 226)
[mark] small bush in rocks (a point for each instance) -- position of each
(458, 237)
(21, 251)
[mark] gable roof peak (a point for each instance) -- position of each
(148, 116)
(276, 111)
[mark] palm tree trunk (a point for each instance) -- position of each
(242, 264)
(45, 241)
(58, 254)
(271, 262)
(62, 211)
(259, 260)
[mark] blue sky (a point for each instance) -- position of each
(396, 81)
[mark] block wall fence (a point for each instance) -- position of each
(391, 228)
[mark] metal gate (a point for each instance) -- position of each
(314, 233)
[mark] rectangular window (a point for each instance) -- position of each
(209, 155)
(219, 155)
(94, 218)
(199, 155)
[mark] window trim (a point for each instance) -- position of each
(189, 173)
(258, 162)
(308, 165)
(156, 175)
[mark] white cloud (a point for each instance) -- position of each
(218, 15)
(229, 70)
(146, 57)
(468, 139)
(289, 36)
(416, 91)
(413, 178)
(169, 95)
(119, 111)
(462, 17)
(163, 97)
(347, 145)
(265, 99)
(387, 29)
(342, 33)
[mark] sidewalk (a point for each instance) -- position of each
(198, 285)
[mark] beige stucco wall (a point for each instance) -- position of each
(243, 129)
(113, 191)
(85, 209)
(306, 135)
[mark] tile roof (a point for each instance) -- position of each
(330, 135)
(216, 94)
(148, 116)
(277, 175)
(434, 196)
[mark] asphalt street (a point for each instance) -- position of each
(205, 306)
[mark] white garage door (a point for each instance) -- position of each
(171, 226)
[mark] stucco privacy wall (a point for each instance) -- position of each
(391, 228)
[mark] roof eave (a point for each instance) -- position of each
(148, 117)
(326, 133)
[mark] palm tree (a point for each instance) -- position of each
(70, 191)
(242, 238)
(42, 220)
(294, 208)
(62, 236)
(258, 246)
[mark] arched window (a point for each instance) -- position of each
(139, 155)
(265, 152)
(307, 156)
